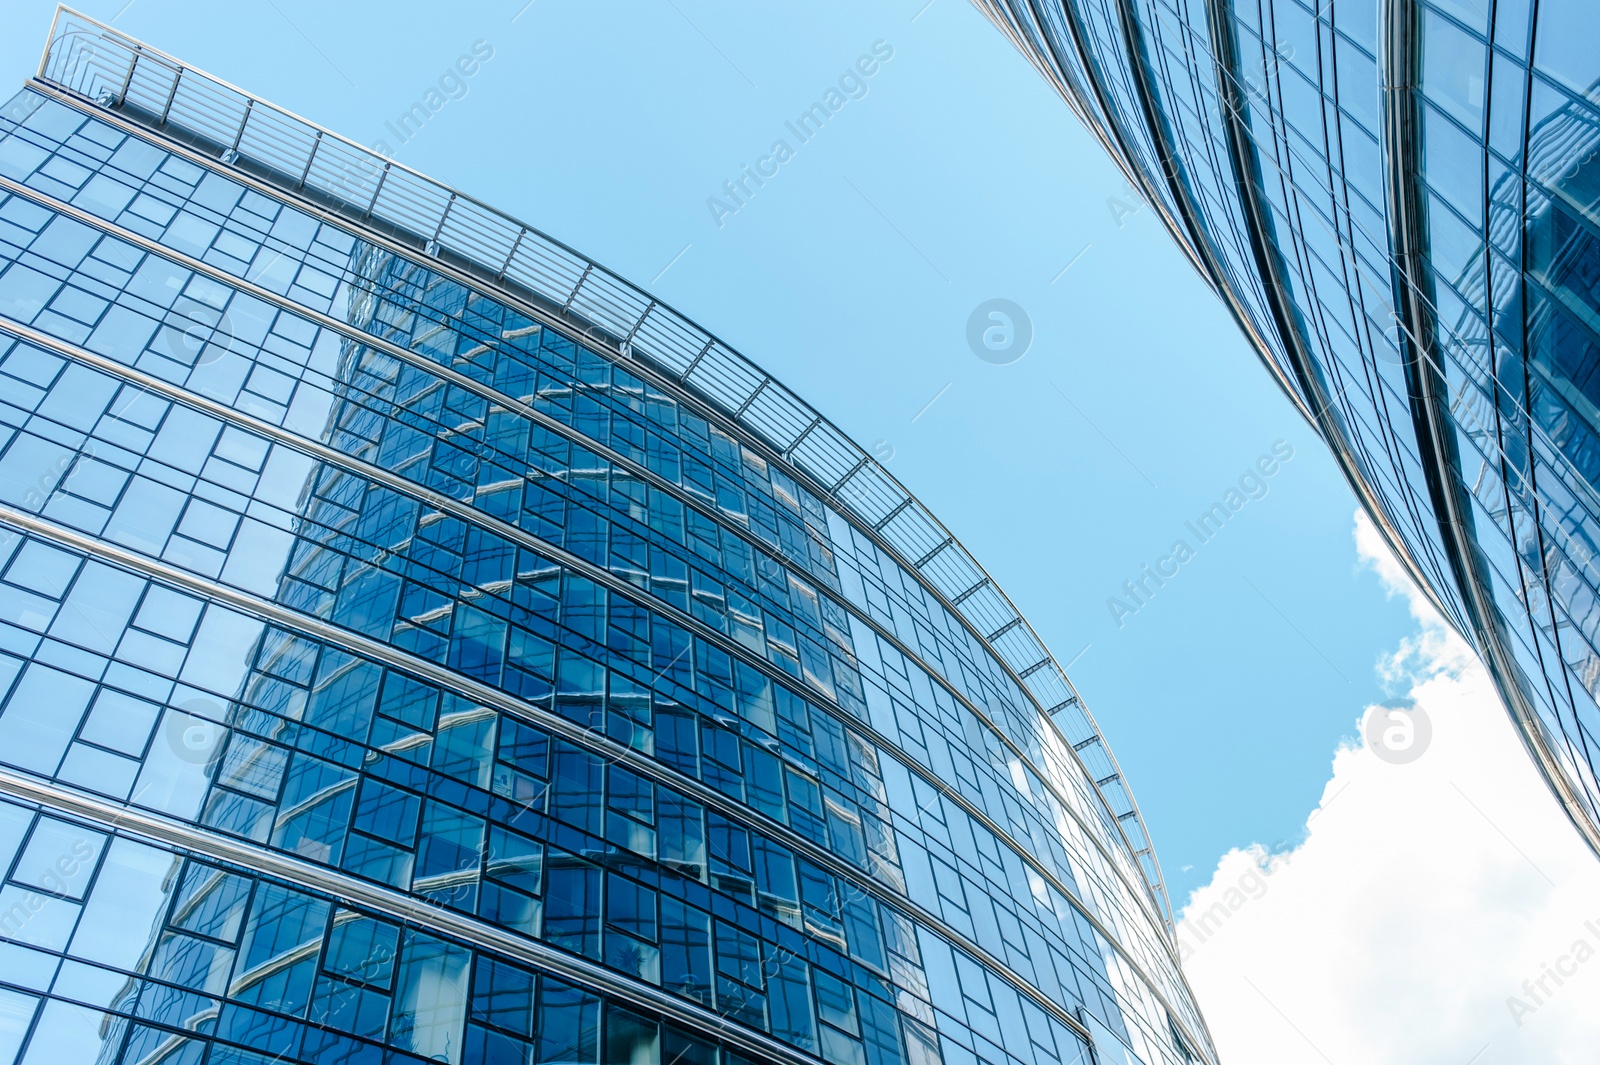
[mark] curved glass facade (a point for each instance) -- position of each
(1399, 202)
(408, 653)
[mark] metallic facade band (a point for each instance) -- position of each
(407, 908)
(626, 755)
(571, 732)
(680, 389)
(735, 811)
(478, 517)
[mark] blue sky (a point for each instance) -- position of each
(952, 176)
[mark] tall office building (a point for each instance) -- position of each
(1399, 201)
(419, 644)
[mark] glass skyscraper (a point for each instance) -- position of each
(1399, 201)
(419, 644)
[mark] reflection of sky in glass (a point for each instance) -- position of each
(1419, 274)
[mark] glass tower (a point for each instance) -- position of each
(1399, 201)
(419, 644)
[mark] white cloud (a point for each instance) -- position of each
(1421, 899)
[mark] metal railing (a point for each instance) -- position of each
(90, 59)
